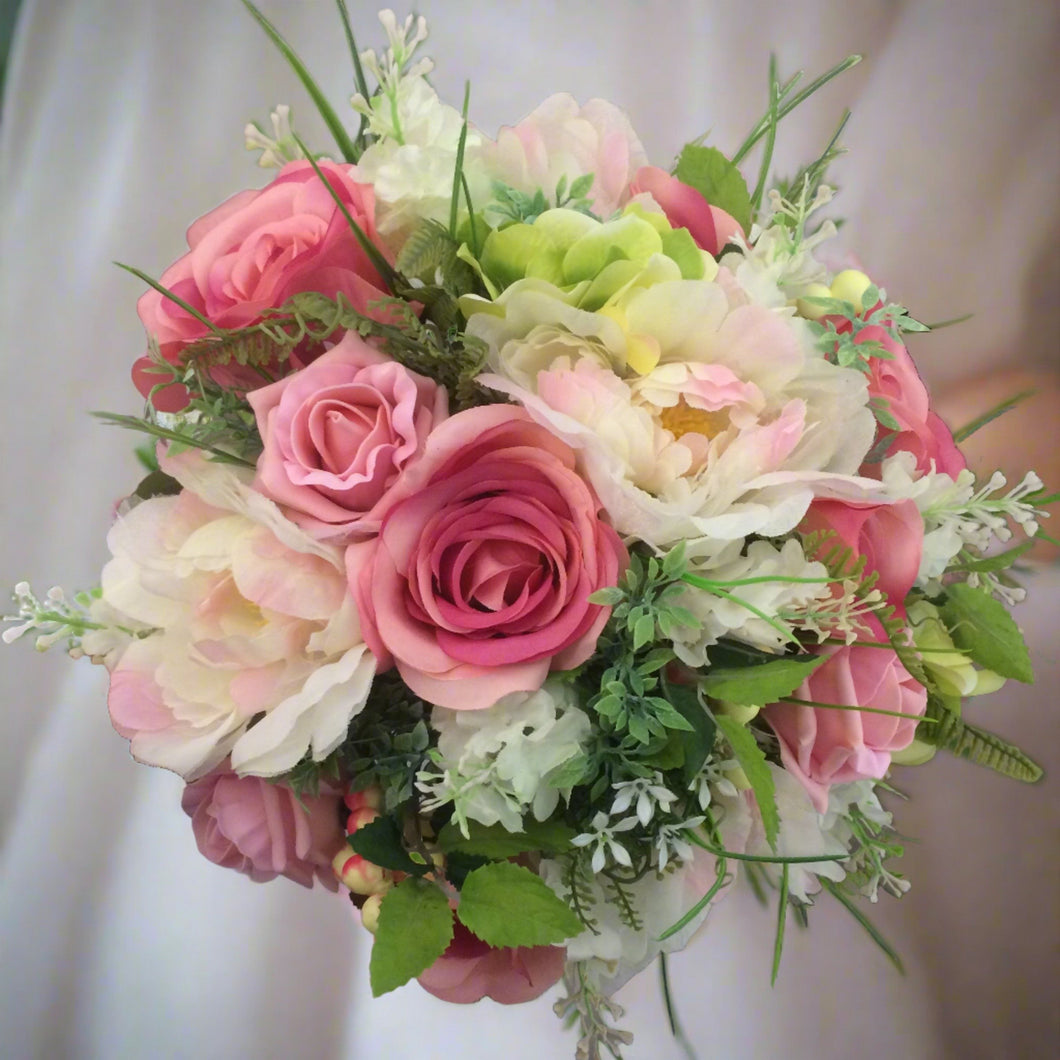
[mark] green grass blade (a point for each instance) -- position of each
(165, 292)
(327, 112)
(870, 928)
(782, 918)
(458, 170)
(992, 414)
(771, 137)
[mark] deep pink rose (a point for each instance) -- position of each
(253, 253)
(263, 829)
(470, 970)
(479, 581)
(822, 746)
(889, 536)
(710, 226)
(921, 432)
(339, 434)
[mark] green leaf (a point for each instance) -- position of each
(715, 178)
(982, 626)
(495, 841)
(852, 908)
(959, 737)
(327, 112)
(457, 867)
(415, 929)
(157, 484)
(380, 842)
(1001, 561)
(991, 414)
(753, 762)
(699, 742)
(507, 905)
(755, 686)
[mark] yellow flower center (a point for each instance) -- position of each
(682, 419)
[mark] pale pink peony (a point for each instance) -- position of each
(889, 536)
(264, 830)
(479, 581)
(339, 434)
(252, 253)
(254, 625)
(710, 226)
(921, 432)
(822, 746)
(470, 970)
(560, 138)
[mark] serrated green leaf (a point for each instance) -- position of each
(755, 686)
(415, 929)
(495, 841)
(507, 905)
(715, 178)
(698, 744)
(753, 762)
(982, 626)
(380, 842)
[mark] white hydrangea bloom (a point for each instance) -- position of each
(495, 763)
(721, 616)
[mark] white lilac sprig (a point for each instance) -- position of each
(390, 69)
(59, 618)
(280, 148)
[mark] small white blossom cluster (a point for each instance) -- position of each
(840, 824)
(776, 266)
(494, 765)
(957, 515)
(280, 148)
(737, 612)
(714, 778)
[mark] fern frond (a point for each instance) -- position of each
(959, 737)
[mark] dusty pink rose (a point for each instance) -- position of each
(822, 746)
(710, 226)
(560, 138)
(339, 434)
(470, 970)
(253, 253)
(264, 830)
(921, 431)
(479, 581)
(889, 536)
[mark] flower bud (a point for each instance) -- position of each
(850, 285)
(370, 912)
(370, 797)
(359, 818)
(811, 310)
(360, 875)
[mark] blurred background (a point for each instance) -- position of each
(122, 122)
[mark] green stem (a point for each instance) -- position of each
(847, 706)
(760, 129)
(766, 859)
(782, 915)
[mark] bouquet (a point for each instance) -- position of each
(532, 539)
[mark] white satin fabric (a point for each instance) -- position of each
(122, 123)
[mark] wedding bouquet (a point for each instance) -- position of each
(533, 536)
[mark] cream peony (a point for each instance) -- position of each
(258, 651)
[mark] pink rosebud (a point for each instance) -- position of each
(263, 829)
(822, 746)
(889, 536)
(896, 381)
(251, 254)
(470, 970)
(479, 581)
(710, 226)
(338, 435)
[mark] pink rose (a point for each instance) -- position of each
(710, 226)
(822, 746)
(889, 536)
(470, 970)
(339, 434)
(264, 830)
(921, 432)
(253, 253)
(561, 138)
(479, 581)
